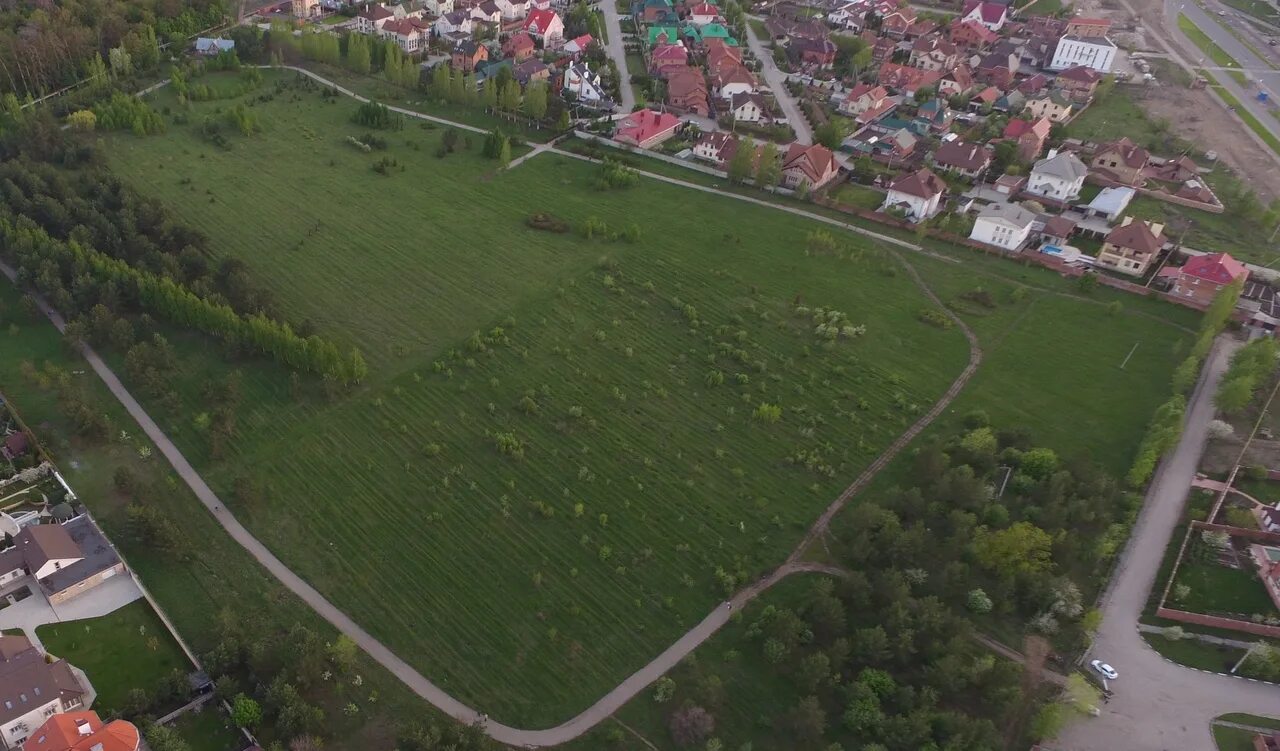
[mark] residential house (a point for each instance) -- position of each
(918, 194)
(1267, 558)
(703, 14)
(1030, 136)
(305, 8)
(666, 56)
(1110, 203)
(1121, 160)
(654, 11)
(467, 55)
(662, 35)
(1268, 516)
(984, 99)
(962, 158)
(530, 71)
(958, 81)
(971, 35)
(1057, 230)
(14, 445)
(849, 17)
(372, 18)
(1097, 53)
(719, 54)
(998, 69)
(1197, 190)
(933, 53)
(896, 147)
(83, 731)
(990, 14)
(1058, 177)
(717, 147)
(1202, 277)
(32, 690)
(1087, 28)
(687, 91)
(896, 22)
(1053, 105)
(208, 47)
(457, 22)
(1079, 82)
(814, 54)
(486, 12)
(729, 80)
(867, 103)
(1043, 26)
(748, 107)
(578, 46)
(933, 115)
(1176, 170)
(1131, 247)
(545, 26)
(411, 34)
(519, 47)
(812, 166)
(513, 9)
(882, 50)
(1033, 84)
(646, 128)
(435, 8)
(1010, 102)
(905, 79)
(920, 27)
(585, 84)
(1004, 225)
(65, 559)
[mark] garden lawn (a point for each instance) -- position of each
(209, 730)
(1233, 739)
(556, 465)
(1115, 116)
(1196, 654)
(571, 486)
(125, 650)
(1219, 589)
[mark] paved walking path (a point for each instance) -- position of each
(1250, 728)
(1220, 641)
(672, 655)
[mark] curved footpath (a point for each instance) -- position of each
(672, 655)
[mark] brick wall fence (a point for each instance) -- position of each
(1233, 624)
(1160, 195)
(1253, 535)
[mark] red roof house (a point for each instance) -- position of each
(1202, 277)
(646, 128)
(1031, 136)
(813, 166)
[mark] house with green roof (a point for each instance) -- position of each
(700, 34)
(663, 35)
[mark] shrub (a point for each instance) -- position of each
(935, 317)
(546, 222)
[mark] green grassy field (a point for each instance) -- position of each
(1232, 739)
(209, 730)
(1218, 589)
(1196, 654)
(645, 487)
(128, 649)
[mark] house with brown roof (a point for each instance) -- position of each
(728, 80)
(372, 18)
(467, 55)
(1079, 82)
(962, 158)
(14, 445)
(918, 195)
(531, 71)
(687, 90)
(812, 54)
(712, 146)
(32, 690)
(1031, 137)
(1121, 160)
(813, 166)
(971, 35)
(998, 69)
(959, 80)
(667, 56)
(83, 731)
(66, 559)
(932, 52)
(905, 79)
(410, 34)
(866, 103)
(1203, 277)
(896, 22)
(519, 47)
(748, 108)
(990, 14)
(1086, 28)
(1131, 247)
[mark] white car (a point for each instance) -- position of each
(1105, 670)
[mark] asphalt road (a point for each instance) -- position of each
(777, 81)
(618, 52)
(1258, 71)
(1159, 705)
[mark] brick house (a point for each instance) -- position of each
(814, 166)
(1131, 247)
(1122, 160)
(687, 90)
(896, 22)
(1079, 82)
(646, 128)
(467, 55)
(1202, 277)
(519, 47)
(1030, 136)
(972, 35)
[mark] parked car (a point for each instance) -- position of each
(1105, 670)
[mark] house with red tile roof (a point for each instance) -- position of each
(646, 128)
(410, 34)
(666, 56)
(83, 731)
(882, 49)
(1085, 28)
(812, 166)
(920, 27)
(703, 14)
(958, 81)
(545, 26)
(1202, 277)
(989, 14)
(896, 22)
(578, 45)
(519, 47)
(32, 689)
(932, 52)
(729, 80)
(971, 35)
(1031, 137)
(867, 103)
(1121, 160)
(687, 90)
(905, 79)
(1079, 82)
(813, 54)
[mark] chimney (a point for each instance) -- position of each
(83, 727)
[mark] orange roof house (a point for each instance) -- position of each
(83, 731)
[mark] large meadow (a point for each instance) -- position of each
(569, 449)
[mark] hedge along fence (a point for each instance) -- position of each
(1253, 535)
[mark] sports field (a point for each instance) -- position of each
(569, 449)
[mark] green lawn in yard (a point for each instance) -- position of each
(569, 494)
(209, 730)
(1241, 718)
(125, 650)
(1196, 654)
(1219, 589)
(1224, 232)
(859, 196)
(1232, 739)
(1043, 8)
(1112, 117)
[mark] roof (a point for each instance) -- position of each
(520, 41)
(1081, 74)
(932, 42)
(685, 81)
(642, 125)
(1130, 153)
(579, 44)
(1019, 128)
(922, 183)
(743, 98)
(1010, 214)
(1059, 226)
(976, 29)
(376, 12)
(92, 551)
(42, 543)
(540, 20)
(728, 74)
(1089, 22)
(1064, 165)
(990, 12)
(962, 155)
(1135, 235)
(814, 161)
(1219, 268)
(28, 682)
(205, 44)
(83, 731)
(16, 443)
(406, 26)
(1112, 201)
(905, 77)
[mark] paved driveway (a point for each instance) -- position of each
(618, 51)
(777, 83)
(1159, 705)
(36, 610)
